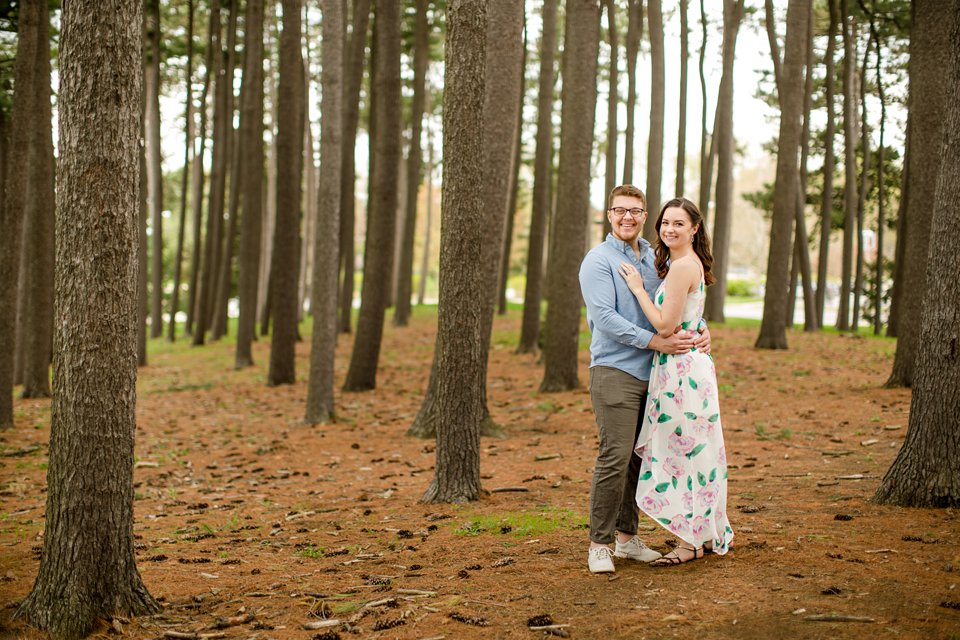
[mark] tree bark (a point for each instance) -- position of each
(634, 35)
(142, 214)
(864, 188)
(850, 164)
(927, 103)
(185, 180)
(154, 167)
(354, 56)
(879, 270)
(421, 58)
(723, 134)
(382, 206)
(320, 404)
(679, 183)
(516, 159)
(706, 152)
(613, 102)
(826, 207)
(251, 134)
(773, 326)
(88, 565)
(425, 258)
(542, 183)
(38, 233)
(459, 358)
(655, 140)
(269, 224)
(581, 43)
(285, 266)
(926, 472)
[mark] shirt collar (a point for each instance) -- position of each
(623, 247)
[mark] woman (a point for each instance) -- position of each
(683, 477)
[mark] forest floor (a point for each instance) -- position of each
(251, 525)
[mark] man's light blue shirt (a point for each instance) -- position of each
(621, 332)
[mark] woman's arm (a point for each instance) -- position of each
(679, 280)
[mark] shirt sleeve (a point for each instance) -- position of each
(600, 296)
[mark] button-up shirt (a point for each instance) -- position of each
(621, 332)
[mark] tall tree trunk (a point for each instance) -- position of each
(88, 565)
(864, 188)
(38, 233)
(154, 168)
(879, 271)
(425, 258)
(826, 207)
(634, 35)
(613, 101)
(382, 205)
(285, 267)
(459, 358)
(269, 225)
(900, 250)
(705, 156)
(723, 134)
(142, 213)
(320, 405)
(354, 56)
(223, 278)
(655, 140)
(542, 183)
(850, 163)
(679, 183)
(421, 58)
(251, 135)
(184, 183)
(773, 326)
(207, 265)
(516, 159)
(927, 103)
(31, 28)
(196, 251)
(926, 472)
(581, 43)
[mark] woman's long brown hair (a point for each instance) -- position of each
(701, 242)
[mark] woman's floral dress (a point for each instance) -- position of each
(683, 475)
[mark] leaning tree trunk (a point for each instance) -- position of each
(850, 164)
(927, 104)
(154, 168)
(459, 358)
(88, 565)
(251, 134)
(826, 207)
(723, 134)
(926, 472)
(184, 182)
(634, 35)
(682, 128)
(655, 140)
(354, 56)
(382, 207)
(542, 184)
(285, 267)
(421, 57)
(38, 235)
(24, 116)
(581, 44)
(610, 157)
(320, 406)
(773, 333)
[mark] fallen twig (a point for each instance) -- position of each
(836, 617)
(509, 489)
(321, 624)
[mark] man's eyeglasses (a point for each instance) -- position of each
(621, 211)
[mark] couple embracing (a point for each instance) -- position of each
(653, 387)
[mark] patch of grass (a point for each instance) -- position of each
(311, 552)
(784, 434)
(761, 430)
(523, 523)
(345, 607)
(549, 406)
(801, 373)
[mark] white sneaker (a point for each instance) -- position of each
(634, 549)
(600, 560)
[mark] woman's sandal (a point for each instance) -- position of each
(673, 558)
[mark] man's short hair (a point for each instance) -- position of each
(626, 190)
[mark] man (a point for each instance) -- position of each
(621, 356)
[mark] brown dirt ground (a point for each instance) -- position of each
(242, 510)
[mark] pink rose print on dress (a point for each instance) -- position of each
(684, 364)
(653, 504)
(722, 456)
(663, 376)
(674, 467)
(706, 389)
(699, 526)
(707, 496)
(688, 501)
(678, 398)
(679, 524)
(700, 426)
(653, 413)
(680, 445)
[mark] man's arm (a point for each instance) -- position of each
(599, 294)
